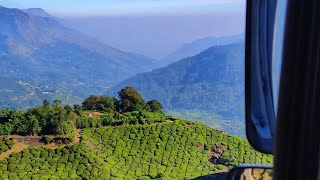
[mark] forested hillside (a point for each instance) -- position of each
(114, 138)
(37, 49)
(212, 81)
(19, 94)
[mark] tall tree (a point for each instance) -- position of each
(101, 103)
(19, 122)
(57, 103)
(61, 122)
(107, 104)
(155, 106)
(32, 123)
(68, 108)
(130, 100)
(77, 108)
(91, 103)
(46, 104)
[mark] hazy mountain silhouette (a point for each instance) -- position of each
(199, 45)
(40, 50)
(212, 81)
(38, 12)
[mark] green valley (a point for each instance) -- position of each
(232, 126)
(115, 138)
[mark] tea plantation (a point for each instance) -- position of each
(114, 138)
(170, 150)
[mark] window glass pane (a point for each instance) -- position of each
(278, 43)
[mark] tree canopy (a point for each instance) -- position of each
(101, 103)
(130, 100)
(155, 106)
(44, 119)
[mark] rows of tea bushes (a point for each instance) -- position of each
(70, 162)
(178, 149)
(169, 150)
(5, 144)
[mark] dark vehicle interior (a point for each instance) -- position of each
(293, 136)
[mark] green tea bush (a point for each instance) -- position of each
(5, 144)
(46, 139)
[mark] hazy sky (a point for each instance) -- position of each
(157, 36)
(150, 27)
(128, 7)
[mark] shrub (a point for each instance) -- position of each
(6, 128)
(46, 139)
(71, 138)
(5, 144)
(107, 120)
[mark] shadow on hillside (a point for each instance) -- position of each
(217, 176)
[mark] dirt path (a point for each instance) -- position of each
(23, 142)
(17, 147)
(77, 136)
(27, 140)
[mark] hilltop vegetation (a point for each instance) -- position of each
(56, 119)
(121, 138)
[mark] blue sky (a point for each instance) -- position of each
(129, 7)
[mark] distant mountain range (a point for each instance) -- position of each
(36, 49)
(42, 59)
(212, 81)
(199, 45)
(38, 12)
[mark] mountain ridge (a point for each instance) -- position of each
(38, 12)
(198, 45)
(43, 51)
(212, 81)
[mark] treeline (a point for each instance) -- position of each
(129, 100)
(45, 119)
(58, 119)
(116, 119)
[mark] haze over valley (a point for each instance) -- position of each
(193, 64)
